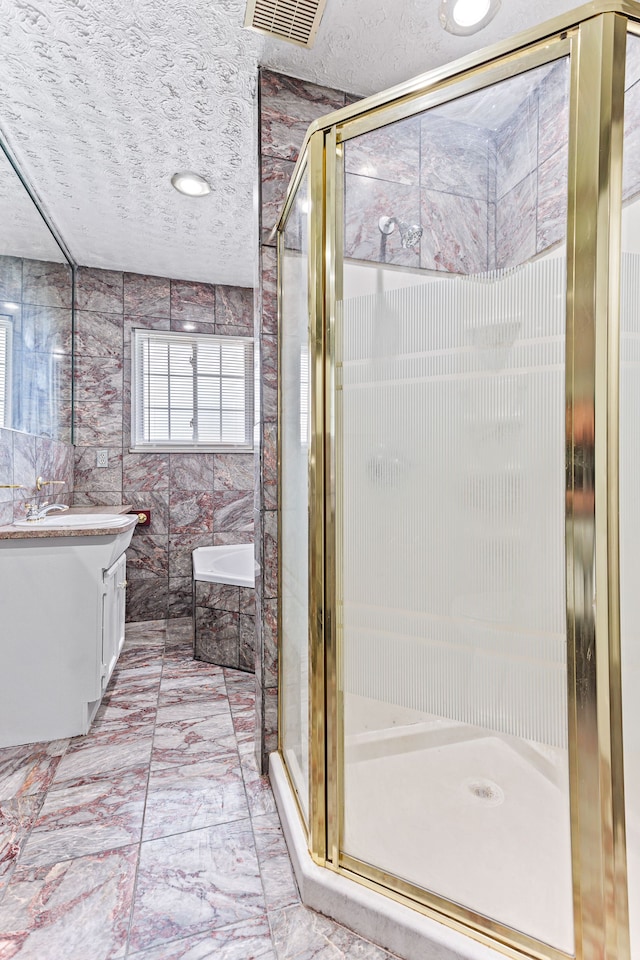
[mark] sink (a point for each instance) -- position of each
(76, 521)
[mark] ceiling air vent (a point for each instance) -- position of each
(294, 20)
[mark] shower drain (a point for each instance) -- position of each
(485, 791)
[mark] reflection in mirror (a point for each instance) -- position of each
(35, 317)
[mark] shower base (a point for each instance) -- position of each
(476, 817)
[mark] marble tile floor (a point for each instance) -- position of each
(154, 837)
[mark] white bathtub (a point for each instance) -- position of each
(232, 564)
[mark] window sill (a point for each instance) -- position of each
(166, 448)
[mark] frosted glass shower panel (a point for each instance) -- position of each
(451, 509)
(294, 539)
(629, 472)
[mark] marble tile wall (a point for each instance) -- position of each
(24, 458)
(36, 296)
(286, 108)
(195, 499)
(225, 625)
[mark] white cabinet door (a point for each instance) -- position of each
(113, 607)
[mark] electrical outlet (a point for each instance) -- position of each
(102, 458)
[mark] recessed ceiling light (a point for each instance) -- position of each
(191, 184)
(464, 17)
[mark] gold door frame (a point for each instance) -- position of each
(595, 37)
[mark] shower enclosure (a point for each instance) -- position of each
(459, 289)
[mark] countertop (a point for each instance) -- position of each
(10, 532)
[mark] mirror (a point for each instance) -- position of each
(36, 319)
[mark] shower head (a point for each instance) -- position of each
(410, 233)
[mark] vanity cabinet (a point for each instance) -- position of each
(114, 584)
(62, 605)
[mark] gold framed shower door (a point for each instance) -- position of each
(594, 37)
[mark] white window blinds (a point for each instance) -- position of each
(191, 391)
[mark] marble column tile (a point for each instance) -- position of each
(247, 648)
(269, 478)
(89, 478)
(270, 555)
(16, 820)
(83, 819)
(269, 378)
(275, 174)
(249, 940)
(82, 908)
(98, 423)
(258, 789)
(270, 643)
(552, 200)
(302, 934)
(194, 795)
(234, 310)
(222, 596)
(24, 461)
(217, 636)
(181, 547)
(553, 121)
(192, 301)
(193, 326)
(391, 153)
(195, 882)
(191, 471)
(148, 556)
(192, 739)
(190, 512)
(11, 279)
(98, 378)
(517, 146)
(146, 296)
(47, 329)
(101, 290)
(180, 597)
(6, 512)
(29, 769)
(54, 460)
(516, 224)
(269, 280)
(248, 601)
(134, 322)
(45, 283)
(366, 200)
(287, 107)
(270, 719)
(145, 471)
(233, 511)
(98, 498)
(455, 156)
(455, 233)
(157, 501)
(147, 599)
(98, 334)
(222, 538)
(233, 471)
(280, 888)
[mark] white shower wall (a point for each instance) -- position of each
(452, 477)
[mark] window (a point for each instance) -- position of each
(5, 371)
(191, 391)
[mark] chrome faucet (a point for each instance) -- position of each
(35, 512)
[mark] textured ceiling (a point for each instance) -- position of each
(102, 100)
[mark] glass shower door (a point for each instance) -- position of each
(294, 495)
(451, 493)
